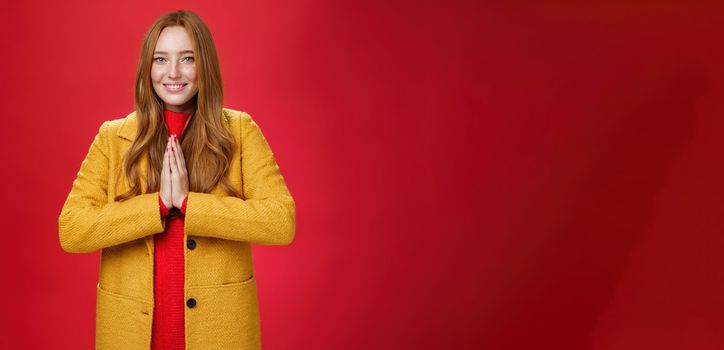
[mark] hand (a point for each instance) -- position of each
(179, 175)
(165, 190)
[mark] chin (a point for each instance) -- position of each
(177, 102)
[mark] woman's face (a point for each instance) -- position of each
(173, 72)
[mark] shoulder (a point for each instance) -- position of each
(236, 116)
(241, 120)
(116, 126)
(252, 138)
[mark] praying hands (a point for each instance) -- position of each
(174, 177)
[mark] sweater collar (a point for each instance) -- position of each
(167, 113)
(129, 126)
(175, 122)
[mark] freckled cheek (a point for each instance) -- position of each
(190, 74)
(157, 75)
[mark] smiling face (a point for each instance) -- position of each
(173, 71)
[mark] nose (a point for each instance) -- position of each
(175, 71)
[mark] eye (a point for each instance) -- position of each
(159, 59)
(188, 59)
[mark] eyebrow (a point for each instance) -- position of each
(166, 53)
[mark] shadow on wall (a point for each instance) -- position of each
(574, 240)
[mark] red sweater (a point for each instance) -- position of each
(168, 268)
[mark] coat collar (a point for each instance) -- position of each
(130, 125)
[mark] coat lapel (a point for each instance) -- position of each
(127, 131)
(128, 128)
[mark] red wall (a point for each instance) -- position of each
(467, 175)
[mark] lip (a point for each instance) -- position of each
(171, 89)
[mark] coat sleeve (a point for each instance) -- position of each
(267, 215)
(90, 221)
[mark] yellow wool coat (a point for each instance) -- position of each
(219, 273)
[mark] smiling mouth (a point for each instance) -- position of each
(175, 87)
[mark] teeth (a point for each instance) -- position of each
(175, 86)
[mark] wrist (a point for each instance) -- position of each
(163, 207)
(183, 204)
(178, 203)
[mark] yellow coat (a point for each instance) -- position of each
(219, 271)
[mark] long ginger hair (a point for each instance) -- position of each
(207, 143)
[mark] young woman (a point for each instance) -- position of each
(174, 194)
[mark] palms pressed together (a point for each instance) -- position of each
(174, 178)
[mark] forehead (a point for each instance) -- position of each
(174, 39)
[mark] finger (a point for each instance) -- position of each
(165, 185)
(181, 155)
(165, 169)
(168, 177)
(172, 161)
(177, 155)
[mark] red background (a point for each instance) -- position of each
(467, 174)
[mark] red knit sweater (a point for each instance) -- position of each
(168, 316)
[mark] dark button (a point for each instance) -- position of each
(191, 302)
(191, 244)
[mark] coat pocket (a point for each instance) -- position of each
(122, 322)
(224, 317)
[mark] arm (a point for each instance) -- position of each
(88, 221)
(266, 216)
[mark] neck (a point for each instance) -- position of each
(171, 112)
(179, 110)
(186, 108)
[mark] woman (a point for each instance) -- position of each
(174, 194)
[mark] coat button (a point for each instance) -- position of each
(191, 302)
(191, 244)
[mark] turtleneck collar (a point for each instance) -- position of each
(175, 122)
